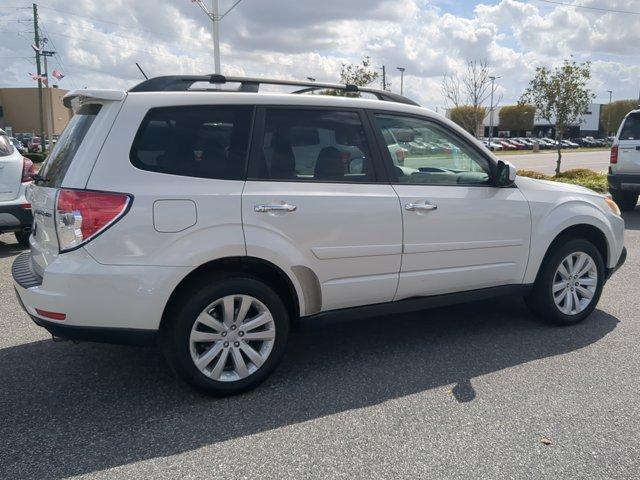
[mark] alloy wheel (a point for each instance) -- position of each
(575, 283)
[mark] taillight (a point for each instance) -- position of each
(614, 154)
(28, 170)
(81, 215)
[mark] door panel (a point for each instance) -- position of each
(477, 237)
(349, 235)
(460, 232)
(311, 199)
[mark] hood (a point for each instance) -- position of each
(531, 184)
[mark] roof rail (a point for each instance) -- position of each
(183, 83)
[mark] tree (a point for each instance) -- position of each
(471, 89)
(517, 117)
(468, 117)
(360, 74)
(612, 114)
(561, 96)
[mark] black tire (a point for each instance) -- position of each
(627, 201)
(176, 332)
(23, 238)
(541, 300)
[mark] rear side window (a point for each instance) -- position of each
(631, 128)
(312, 145)
(194, 141)
(58, 162)
(6, 147)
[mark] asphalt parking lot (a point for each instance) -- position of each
(468, 391)
(545, 162)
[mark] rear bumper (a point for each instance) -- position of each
(624, 182)
(100, 302)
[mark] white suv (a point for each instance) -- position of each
(16, 172)
(624, 170)
(194, 216)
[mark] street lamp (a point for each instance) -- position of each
(609, 114)
(493, 79)
(402, 69)
(215, 17)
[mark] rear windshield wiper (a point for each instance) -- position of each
(39, 178)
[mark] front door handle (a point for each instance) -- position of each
(422, 207)
(278, 207)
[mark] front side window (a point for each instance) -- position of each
(424, 152)
(312, 145)
(631, 128)
(194, 141)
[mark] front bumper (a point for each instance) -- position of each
(624, 182)
(621, 260)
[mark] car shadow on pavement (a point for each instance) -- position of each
(72, 409)
(9, 249)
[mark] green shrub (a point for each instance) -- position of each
(35, 157)
(580, 176)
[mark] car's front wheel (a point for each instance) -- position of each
(227, 336)
(569, 284)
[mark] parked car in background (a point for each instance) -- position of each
(16, 172)
(34, 144)
(624, 166)
(26, 137)
(493, 146)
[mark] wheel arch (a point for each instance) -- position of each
(258, 268)
(585, 231)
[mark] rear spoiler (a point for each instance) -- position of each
(77, 97)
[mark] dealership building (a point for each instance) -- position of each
(19, 111)
(589, 126)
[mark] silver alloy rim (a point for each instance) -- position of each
(232, 338)
(575, 283)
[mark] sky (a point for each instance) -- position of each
(98, 42)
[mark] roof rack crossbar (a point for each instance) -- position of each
(183, 83)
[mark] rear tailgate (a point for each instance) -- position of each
(629, 145)
(69, 165)
(10, 170)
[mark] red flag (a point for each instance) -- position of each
(56, 74)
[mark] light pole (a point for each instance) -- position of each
(493, 79)
(215, 17)
(609, 114)
(402, 69)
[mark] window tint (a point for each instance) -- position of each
(423, 152)
(312, 145)
(58, 162)
(631, 128)
(6, 147)
(194, 141)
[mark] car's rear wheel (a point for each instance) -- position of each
(569, 284)
(227, 336)
(626, 200)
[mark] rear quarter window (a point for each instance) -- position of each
(55, 167)
(194, 141)
(631, 128)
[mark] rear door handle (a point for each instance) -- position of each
(278, 207)
(422, 207)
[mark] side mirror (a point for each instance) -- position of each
(506, 174)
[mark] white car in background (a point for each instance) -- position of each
(168, 213)
(16, 172)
